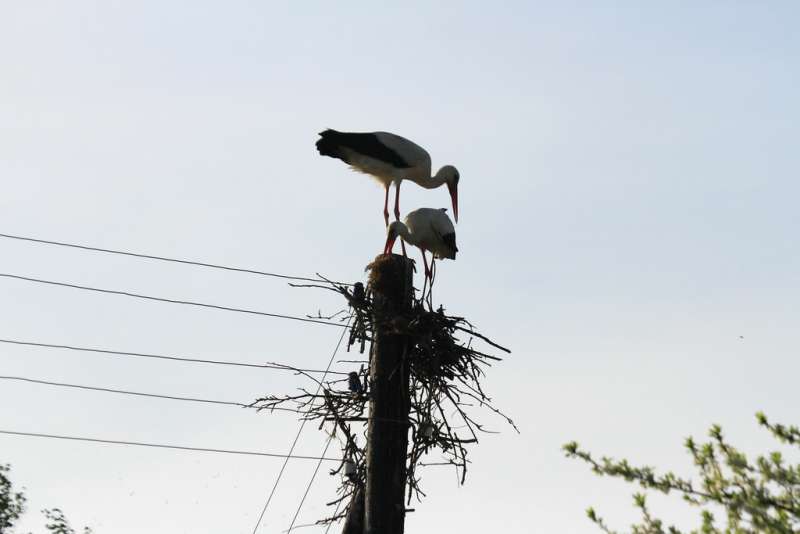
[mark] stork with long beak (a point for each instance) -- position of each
(427, 229)
(389, 159)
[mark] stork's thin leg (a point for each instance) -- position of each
(386, 206)
(427, 273)
(397, 212)
(397, 201)
(432, 277)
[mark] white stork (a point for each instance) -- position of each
(389, 159)
(429, 230)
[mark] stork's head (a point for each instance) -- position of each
(392, 231)
(450, 176)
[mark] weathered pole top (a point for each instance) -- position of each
(390, 276)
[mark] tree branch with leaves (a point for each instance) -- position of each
(13, 505)
(757, 496)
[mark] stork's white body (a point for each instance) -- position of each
(387, 173)
(430, 229)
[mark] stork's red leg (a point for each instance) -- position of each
(425, 282)
(386, 206)
(429, 296)
(397, 201)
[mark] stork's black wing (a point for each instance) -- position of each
(367, 144)
(450, 241)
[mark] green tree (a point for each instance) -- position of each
(58, 524)
(12, 506)
(757, 497)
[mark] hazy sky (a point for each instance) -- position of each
(629, 209)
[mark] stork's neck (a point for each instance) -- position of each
(432, 182)
(403, 232)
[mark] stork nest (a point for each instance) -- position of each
(445, 374)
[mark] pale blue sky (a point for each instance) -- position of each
(628, 210)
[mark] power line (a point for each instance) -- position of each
(188, 399)
(271, 365)
(336, 511)
(162, 446)
(164, 258)
(137, 393)
(310, 482)
(171, 301)
(299, 431)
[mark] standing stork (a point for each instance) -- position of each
(429, 230)
(389, 159)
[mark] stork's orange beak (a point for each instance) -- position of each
(389, 243)
(454, 197)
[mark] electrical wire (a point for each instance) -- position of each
(164, 258)
(189, 399)
(310, 482)
(299, 431)
(110, 352)
(336, 511)
(136, 393)
(162, 446)
(171, 301)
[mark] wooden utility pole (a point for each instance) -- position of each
(387, 441)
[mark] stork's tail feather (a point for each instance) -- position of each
(328, 144)
(450, 241)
